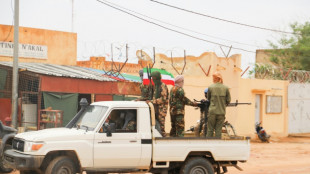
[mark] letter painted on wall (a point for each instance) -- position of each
(25, 50)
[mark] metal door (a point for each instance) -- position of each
(299, 108)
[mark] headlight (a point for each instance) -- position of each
(32, 146)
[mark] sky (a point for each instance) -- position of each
(101, 29)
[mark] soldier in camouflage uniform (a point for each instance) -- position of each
(145, 92)
(131, 125)
(219, 97)
(130, 121)
(160, 100)
(177, 103)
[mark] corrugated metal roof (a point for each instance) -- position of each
(123, 76)
(60, 70)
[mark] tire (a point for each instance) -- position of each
(61, 165)
(2, 168)
(197, 165)
(28, 172)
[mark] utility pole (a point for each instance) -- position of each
(15, 65)
(73, 15)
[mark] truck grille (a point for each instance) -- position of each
(18, 145)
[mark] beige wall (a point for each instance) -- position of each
(243, 90)
(62, 46)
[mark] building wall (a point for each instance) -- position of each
(102, 64)
(61, 46)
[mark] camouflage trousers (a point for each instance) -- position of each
(177, 125)
(161, 119)
(215, 124)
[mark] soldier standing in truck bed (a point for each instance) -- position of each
(160, 100)
(219, 97)
(145, 92)
(177, 102)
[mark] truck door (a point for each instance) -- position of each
(123, 148)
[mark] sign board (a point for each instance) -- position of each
(25, 50)
(274, 104)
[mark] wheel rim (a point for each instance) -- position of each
(198, 170)
(64, 170)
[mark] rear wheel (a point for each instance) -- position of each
(197, 165)
(61, 165)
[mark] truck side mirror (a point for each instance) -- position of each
(110, 128)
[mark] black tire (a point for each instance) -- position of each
(28, 172)
(197, 165)
(61, 165)
(2, 168)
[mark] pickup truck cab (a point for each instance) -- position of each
(116, 137)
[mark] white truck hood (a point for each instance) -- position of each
(57, 134)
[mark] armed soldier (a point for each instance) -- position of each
(160, 100)
(204, 108)
(219, 97)
(145, 89)
(177, 102)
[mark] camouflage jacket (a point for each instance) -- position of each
(178, 101)
(162, 101)
(145, 92)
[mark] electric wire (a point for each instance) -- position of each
(173, 30)
(183, 27)
(225, 20)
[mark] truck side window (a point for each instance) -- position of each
(125, 120)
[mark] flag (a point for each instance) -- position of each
(166, 77)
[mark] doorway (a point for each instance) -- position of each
(258, 110)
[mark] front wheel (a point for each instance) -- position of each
(197, 165)
(61, 165)
(3, 169)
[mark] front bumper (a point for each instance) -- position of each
(21, 161)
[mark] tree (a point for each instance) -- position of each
(293, 51)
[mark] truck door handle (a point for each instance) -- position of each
(104, 142)
(133, 141)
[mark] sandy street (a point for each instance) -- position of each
(289, 155)
(282, 156)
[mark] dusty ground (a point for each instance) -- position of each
(289, 155)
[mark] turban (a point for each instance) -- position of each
(217, 77)
(179, 81)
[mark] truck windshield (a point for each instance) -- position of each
(91, 117)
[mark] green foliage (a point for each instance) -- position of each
(293, 51)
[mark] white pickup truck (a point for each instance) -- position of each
(120, 137)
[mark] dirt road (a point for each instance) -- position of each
(281, 156)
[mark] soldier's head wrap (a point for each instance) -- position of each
(217, 77)
(156, 77)
(141, 74)
(179, 81)
(206, 90)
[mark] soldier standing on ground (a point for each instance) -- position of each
(219, 97)
(160, 100)
(177, 102)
